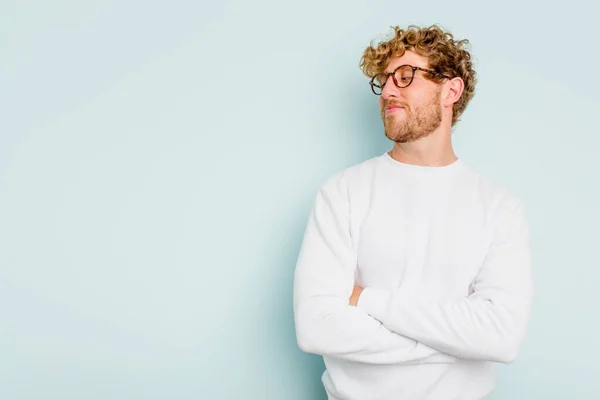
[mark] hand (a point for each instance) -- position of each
(355, 295)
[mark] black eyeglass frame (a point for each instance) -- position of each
(393, 74)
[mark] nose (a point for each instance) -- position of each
(390, 90)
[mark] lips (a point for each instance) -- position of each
(393, 108)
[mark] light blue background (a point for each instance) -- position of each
(158, 161)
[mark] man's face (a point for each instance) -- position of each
(415, 111)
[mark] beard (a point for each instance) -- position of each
(420, 121)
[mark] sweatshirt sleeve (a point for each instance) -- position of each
(491, 322)
(324, 278)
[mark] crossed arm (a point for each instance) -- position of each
(334, 317)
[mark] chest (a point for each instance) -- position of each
(433, 243)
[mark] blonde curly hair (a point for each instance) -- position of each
(445, 55)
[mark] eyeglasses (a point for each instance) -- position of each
(402, 77)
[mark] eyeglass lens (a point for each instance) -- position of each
(403, 75)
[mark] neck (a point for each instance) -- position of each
(434, 150)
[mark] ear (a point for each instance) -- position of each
(452, 91)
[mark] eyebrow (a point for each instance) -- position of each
(418, 66)
(392, 69)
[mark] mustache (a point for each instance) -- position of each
(393, 103)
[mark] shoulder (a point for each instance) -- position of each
(353, 176)
(500, 200)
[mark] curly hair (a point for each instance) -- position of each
(445, 55)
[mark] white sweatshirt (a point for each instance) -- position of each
(444, 257)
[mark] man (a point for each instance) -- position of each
(414, 277)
